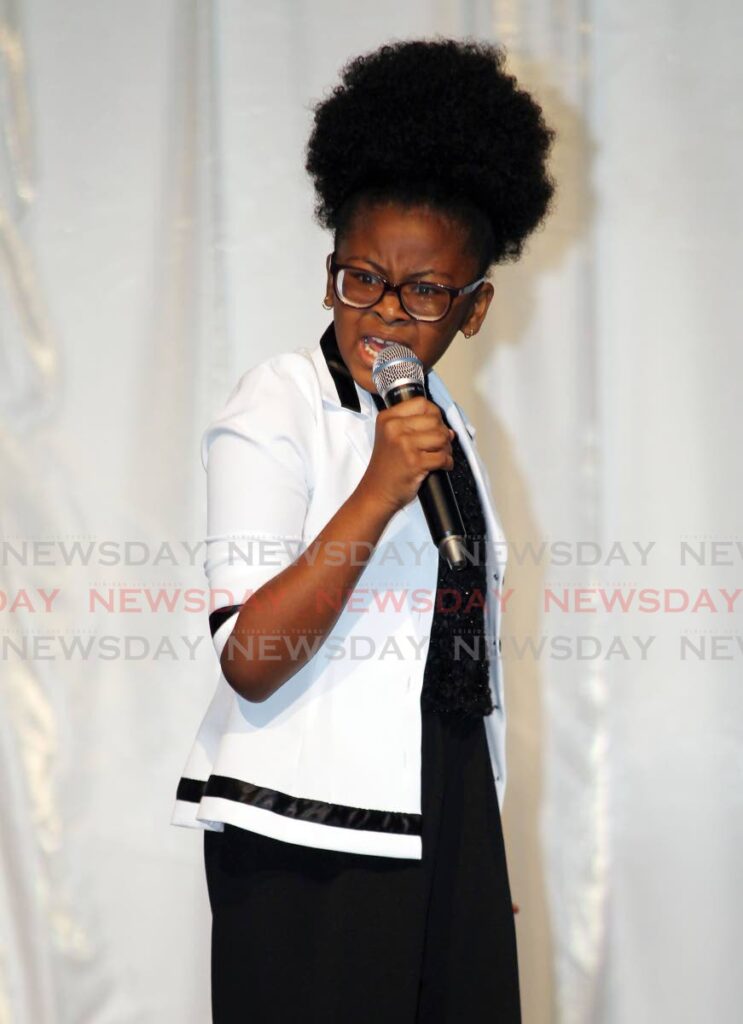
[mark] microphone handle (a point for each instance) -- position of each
(436, 496)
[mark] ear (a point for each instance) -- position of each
(328, 281)
(480, 305)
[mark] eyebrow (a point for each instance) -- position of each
(381, 269)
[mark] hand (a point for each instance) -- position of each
(411, 439)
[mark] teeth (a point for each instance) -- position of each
(379, 341)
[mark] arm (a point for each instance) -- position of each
(302, 603)
(259, 469)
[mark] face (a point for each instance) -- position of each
(402, 244)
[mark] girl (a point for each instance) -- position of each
(350, 769)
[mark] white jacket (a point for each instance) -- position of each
(333, 758)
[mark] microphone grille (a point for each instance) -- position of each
(396, 364)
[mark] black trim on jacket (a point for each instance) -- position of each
(219, 616)
(299, 808)
(344, 382)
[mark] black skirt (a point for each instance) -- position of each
(301, 934)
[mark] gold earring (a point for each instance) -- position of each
(326, 304)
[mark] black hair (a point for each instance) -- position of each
(438, 123)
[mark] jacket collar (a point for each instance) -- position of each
(336, 382)
(340, 389)
(341, 386)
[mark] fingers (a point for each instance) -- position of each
(440, 459)
(412, 407)
(414, 436)
(427, 421)
(429, 440)
(414, 410)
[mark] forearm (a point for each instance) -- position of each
(281, 627)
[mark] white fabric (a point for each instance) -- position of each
(345, 728)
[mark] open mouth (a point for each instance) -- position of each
(372, 345)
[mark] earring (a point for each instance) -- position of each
(326, 304)
(468, 334)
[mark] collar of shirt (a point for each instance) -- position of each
(339, 387)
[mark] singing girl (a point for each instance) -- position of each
(350, 771)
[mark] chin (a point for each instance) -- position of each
(364, 380)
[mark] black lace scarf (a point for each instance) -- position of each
(456, 679)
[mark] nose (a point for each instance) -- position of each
(389, 308)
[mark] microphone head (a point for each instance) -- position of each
(396, 364)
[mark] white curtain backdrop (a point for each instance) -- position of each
(151, 188)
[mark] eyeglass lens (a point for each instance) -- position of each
(420, 299)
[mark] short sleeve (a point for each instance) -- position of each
(258, 459)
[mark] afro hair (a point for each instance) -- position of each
(440, 123)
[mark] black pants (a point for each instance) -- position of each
(307, 935)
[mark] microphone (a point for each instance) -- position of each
(398, 375)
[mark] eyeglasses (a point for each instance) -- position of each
(422, 300)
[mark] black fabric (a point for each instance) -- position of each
(220, 616)
(457, 673)
(457, 676)
(302, 934)
(190, 790)
(342, 377)
(337, 815)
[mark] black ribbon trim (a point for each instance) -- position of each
(299, 808)
(342, 377)
(344, 382)
(190, 790)
(219, 616)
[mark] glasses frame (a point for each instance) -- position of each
(453, 293)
